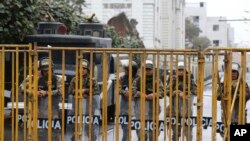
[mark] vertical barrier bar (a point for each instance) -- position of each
(227, 98)
(76, 98)
(16, 92)
(142, 97)
(165, 96)
(34, 69)
(2, 59)
(171, 95)
(214, 94)
(25, 96)
(1, 96)
(104, 101)
(13, 125)
(117, 97)
(189, 100)
(63, 94)
(130, 96)
(31, 111)
(157, 96)
(242, 105)
(154, 102)
(80, 96)
(176, 100)
(90, 96)
(200, 95)
(50, 98)
(184, 98)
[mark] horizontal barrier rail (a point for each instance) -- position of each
(86, 93)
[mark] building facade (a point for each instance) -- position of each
(219, 32)
(160, 22)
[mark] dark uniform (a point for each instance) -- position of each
(43, 99)
(95, 98)
(180, 106)
(149, 95)
(220, 91)
(124, 103)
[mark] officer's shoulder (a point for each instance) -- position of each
(93, 79)
(138, 78)
(58, 77)
(122, 75)
(73, 79)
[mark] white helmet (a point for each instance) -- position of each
(181, 65)
(149, 64)
(125, 63)
(235, 67)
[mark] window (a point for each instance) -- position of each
(196, 19)
(88, 32)
(129, 5)
(96, 34)
(48, 31)
(215, 27)
(105, 6)
(201, 4)
(216, 42)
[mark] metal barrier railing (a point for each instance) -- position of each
(162, 101)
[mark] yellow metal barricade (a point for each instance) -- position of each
(173, 96)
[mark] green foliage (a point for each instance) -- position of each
(20, 17)
(117, 40)
(76, 5)
(17, 19)
(191, 30)
(131, 43)
(201, 42)
(120, 42)
(62, 12)
(192, 36)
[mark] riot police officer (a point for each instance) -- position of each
(178, 93)
(220, 95)
(43, 97)
(42, 94)
(85, 88)
(150, 94)
(124, 92)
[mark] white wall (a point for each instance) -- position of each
(196, 9)
(221, 34)
(224, 34)
(160, 22)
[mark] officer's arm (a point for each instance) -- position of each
(219, 91)
(95, 88)
(247, 92)
(193, 87)
(58, 90)
(136, 84)
(161, 90)
(72, 87)
(122, 91)
(25, 86)
(169, 86)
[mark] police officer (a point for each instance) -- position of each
(85, 88)
(178, 93)
(124, 92)
(42, 94)
(43, 97)
(149, 96)
(220, 94)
